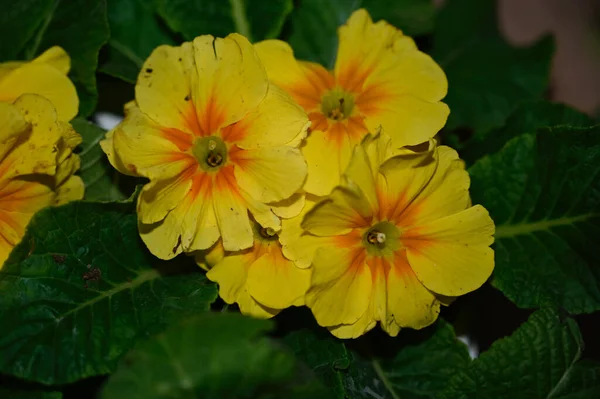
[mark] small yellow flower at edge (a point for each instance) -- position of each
(261, 280)
(36, 165)
(395, 240)
(47, 76)
(380, 79)
(217, 142)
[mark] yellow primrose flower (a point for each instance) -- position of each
(380, 79)
(47, 76)
(36, 165)
(399, 237)
(216, 140)
(261, 280)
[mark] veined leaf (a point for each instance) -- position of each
(424, 363)
(315, 23)
(324, 354)
(81, 288)
(540, 360)
(213, 355)
(414, 365)
(527, 118)
(543, 192)
(255, 19)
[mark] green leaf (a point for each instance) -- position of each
(255, 19)
(79, 27)
(131, 43)
(102, 181)
(81, 288)
(527, 118)
(543, 192)
(420, 369)
(19, 20)
(487, 77)
(324, 354)
(315, 23)
(29, 394)
(540, 360)
(213, 355)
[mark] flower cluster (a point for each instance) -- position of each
(294, 185)
(37, 162)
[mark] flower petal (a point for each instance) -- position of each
(406, 175)
(165, 85)
(220, 99)
(19, 201)
(56, 57)
(42, 141)
(289, 207)
(362, 44)
(12, 126)
(409, 302)
(231, 274)
(445, 194)
(231, 212)
(377, 310)
(359, 171)
(159, 197)
(270, 174)
(199, 226)
(108, 146)
(408, 120)
(305, 82)
(276, 282)
(340, 286)
(451, 256)
(261, 212)
(71, 190)
(45, 80)
(277, 121)
(327, 159)
(145, 149)
(341, 211)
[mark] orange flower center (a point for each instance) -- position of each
(337, 104)
(210, 152)
(382, 239)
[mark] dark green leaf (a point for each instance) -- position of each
(543, 192)
(315, 23)
(324, 354)
(135, 30)
(19, 20)
(213, 355)
(527, 118)
(20, 394)
(80, 27)
(487, 77)
(102, 181)
(255, 19)
(540, 360)
(420, 369)
(81, 288)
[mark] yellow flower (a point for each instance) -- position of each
(36, 165)
(216, 140)
(380, 79)
(46, 76)
(399, 237)
(261, 280)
